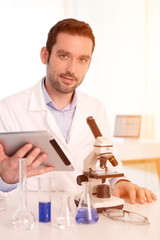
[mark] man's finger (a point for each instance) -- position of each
(132, 194)
(2, 153)
(36, 163)
(40, 171)
(153, 196)
(150, 196)
(32, 155)
(22, 151)
(141, 195)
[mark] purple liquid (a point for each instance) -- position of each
(44, 211)
(83, 216)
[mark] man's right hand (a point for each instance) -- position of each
(9, 166)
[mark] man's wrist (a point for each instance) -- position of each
(122, 180)
(6, 187)
(113, 181)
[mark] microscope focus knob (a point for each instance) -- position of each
(81, 178)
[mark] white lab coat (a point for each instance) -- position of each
(26, 111)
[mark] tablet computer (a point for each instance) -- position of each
(13, 141)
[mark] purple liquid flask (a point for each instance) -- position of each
(86, 213)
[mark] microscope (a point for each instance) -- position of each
(96, 172)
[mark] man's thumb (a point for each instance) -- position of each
(2, 153)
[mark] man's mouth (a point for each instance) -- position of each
(67, 79)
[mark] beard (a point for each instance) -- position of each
(63, 87)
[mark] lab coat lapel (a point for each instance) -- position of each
(52, 125)
(37, 103)
(76, 126)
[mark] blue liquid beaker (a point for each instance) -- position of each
(44, 211)
(44, 185)
(86, 213)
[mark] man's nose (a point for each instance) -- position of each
(72, 66)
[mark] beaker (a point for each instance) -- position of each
(86, 213)
(22, 219)
(44, 187)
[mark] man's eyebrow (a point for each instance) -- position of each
(68, 53)
(62, 51)
(86, 56)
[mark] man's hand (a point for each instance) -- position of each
(9, 166)
(126, 189)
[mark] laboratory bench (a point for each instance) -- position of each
(105, 228)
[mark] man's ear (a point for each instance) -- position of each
(44, 55)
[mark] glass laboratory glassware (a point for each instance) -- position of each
(86, 213)
(66, 214)
(44, 186)
(23, 219)
(65, 218)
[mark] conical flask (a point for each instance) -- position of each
(86, 213)
(65, 219)
(22, 219)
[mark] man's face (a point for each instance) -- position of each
(69, 61)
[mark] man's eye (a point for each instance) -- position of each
(63, 56)
(83, 60)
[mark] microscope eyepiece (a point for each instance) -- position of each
(93, 126)
(96, 132)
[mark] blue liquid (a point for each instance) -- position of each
(44, 211)
(83, 216)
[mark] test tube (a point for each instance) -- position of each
(44, 184)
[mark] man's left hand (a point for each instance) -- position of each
(135, 193)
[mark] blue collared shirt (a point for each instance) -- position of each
(63, 117)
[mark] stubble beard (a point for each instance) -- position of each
(62, 87)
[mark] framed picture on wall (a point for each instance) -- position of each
(127, 126)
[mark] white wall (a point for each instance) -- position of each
(125, 69)
(24, 27)
(118, 71)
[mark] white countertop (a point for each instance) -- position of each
(132, 149)
(103, 229)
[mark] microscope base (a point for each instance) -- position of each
(102, 204)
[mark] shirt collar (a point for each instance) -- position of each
(49, 102)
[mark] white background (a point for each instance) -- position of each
(125, 71)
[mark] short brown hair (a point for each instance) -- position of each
(71, 26)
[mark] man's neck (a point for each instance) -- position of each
(60, 100)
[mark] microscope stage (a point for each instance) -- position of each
(102, 204)
(99, 175)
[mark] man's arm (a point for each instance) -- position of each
(9, 166)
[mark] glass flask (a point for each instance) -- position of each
(65, 218)
(86, 213)
(22, 219)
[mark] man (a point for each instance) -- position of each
(55, 105)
